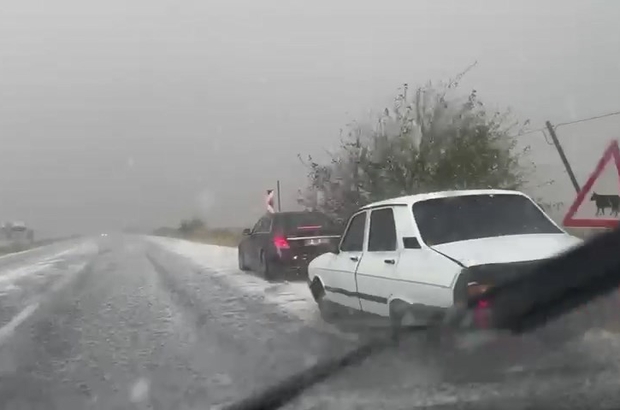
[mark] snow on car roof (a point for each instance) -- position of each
(411, 199)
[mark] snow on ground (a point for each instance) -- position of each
(24, 286)
(9, 277)
(293, 297)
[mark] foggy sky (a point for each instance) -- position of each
(137, 113)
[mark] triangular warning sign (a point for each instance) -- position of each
(605, 205)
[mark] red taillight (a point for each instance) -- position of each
(481, 314)
(481, 307)
(280, 242)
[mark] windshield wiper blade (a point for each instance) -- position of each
(549, 290)
(282, 393)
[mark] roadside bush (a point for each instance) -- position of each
(430, 139)
(196, 230)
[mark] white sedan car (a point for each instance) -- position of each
(414, 257)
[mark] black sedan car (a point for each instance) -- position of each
(283, 243)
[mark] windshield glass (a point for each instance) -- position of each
(460, 218)
(179, 185)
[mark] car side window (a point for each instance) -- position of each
(263, 225)
(353, 240)
(266, 227)
(256, 227)
(382, 235)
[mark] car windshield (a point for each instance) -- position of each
(460, 218)
(202, 198)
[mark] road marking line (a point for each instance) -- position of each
(7, 330)
(8, 255)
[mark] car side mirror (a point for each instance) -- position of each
(247, 232)
(411, 242)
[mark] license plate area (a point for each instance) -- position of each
(316, 241)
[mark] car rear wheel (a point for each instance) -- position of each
(328, 313)
(327, 309)
(403, 320)
(266, 270)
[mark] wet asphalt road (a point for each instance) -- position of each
(120, 323)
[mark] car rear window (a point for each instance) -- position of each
(460, 218)
(301, 221)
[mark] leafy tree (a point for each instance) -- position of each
(431, 139)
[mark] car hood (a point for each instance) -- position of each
(511, 248)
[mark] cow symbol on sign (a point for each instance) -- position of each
(612, 201)
(606, 201)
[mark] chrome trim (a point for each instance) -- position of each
(303, 238)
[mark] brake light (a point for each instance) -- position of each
(483, 304)
(280, 242)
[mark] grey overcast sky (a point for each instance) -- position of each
(117, 112)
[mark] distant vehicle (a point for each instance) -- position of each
(283, 243)
(104, 234)
(413, 258)
(18, 226)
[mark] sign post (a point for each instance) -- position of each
(604, 213)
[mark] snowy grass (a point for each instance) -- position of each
(212, 236)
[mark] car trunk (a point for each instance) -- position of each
(309, 242)
(493, 274)
(310, 234)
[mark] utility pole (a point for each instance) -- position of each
(569, 170)
(278, 188)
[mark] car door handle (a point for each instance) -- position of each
(354, 258)
(389, 261)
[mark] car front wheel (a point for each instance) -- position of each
(325, 307)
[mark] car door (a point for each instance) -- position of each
(247, 246)
(264, 237)
(258, 239)
(426, 276)
(339, 275)
(377, 271)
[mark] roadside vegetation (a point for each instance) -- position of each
(20, 247)
(433, 137)
(16, 247)
(196, 230)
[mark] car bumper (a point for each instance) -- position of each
(300, 272)
(292, 267)
(293, 264)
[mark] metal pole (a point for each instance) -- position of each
(569, 170)
(278, 187)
